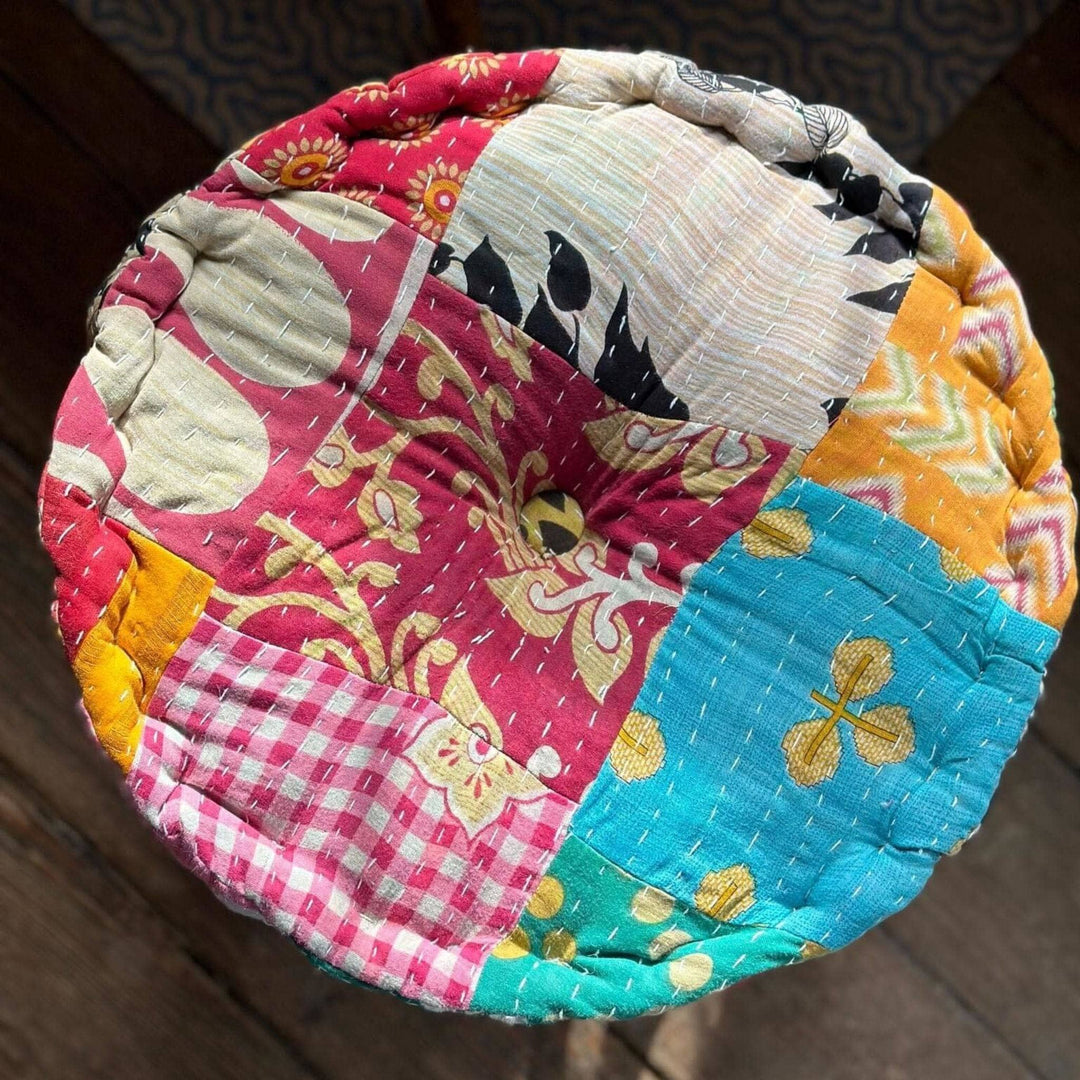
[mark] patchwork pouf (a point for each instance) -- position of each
(557, 533)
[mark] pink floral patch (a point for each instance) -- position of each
(404, 147)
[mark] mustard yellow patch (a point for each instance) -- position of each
(121, 659)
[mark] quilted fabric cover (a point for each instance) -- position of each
(557, 533)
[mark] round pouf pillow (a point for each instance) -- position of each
(559, 532)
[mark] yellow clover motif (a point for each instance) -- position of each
(952, 566)
(883, 735)
(433, 193)
(304, 164)
(462, 754)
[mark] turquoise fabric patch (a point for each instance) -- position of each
(828, 713)
(595, 941)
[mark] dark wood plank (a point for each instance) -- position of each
(1045, 74)
(867, 1011)
(458, 26)
(1021, 183)
(999, 922)
(60, 234)
(1058, 714)
(94, 989)
(134, 137)
(96, 164)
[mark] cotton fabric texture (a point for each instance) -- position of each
(557, 533)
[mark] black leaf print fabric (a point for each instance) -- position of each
(543, 325)
(915, 201)
(834, 211)
(887, 246)
(628, 374)
(488, 281)
(441, 259)
(888, 298)
(861, 195)
(833, 407)
(623, 371)
(568, 278)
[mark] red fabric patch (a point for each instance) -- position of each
(91, 558)
(399, 553)
(369, 276)
(416, 137)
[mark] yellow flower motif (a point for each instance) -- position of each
(433, 193)
(304, 164)
(370, 91)
(470, 65)
(410, 130)
(358, 194)
(462, 754)
(499, 112)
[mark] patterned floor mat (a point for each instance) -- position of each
(236, 68)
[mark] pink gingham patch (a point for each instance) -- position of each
(289, 785)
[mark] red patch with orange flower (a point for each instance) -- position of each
(404, 147)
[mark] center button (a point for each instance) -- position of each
(552, 522)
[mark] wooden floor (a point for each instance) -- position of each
(114, 962)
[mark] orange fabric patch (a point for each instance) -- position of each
(951, 428)
(122, 657)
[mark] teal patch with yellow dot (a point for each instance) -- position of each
(827, 715)
(596, 941)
